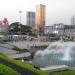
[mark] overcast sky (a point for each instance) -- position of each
(57, 11)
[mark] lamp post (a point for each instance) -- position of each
(38, 34)
(20, 12)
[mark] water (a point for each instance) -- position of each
(57, 53)
(67, 56)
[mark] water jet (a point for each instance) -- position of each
(57, 53)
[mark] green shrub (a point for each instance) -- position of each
(53, 38)
(20, 50)
(40, 46)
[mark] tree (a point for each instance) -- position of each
(18, 28)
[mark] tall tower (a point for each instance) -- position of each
(30, 17)
(73, 20)
(40, 18)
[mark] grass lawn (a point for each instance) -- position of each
(5, 70)
(65, 72)
(23, 65)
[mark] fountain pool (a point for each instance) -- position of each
(57, 53)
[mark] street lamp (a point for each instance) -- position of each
(38, 34)
(20, 12)
(20, 15)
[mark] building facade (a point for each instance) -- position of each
(60, 29)
(40, 18)
(30, 19)
(48, 29)
(69, 30)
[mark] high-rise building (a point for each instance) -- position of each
(73, 20)
(40, 18)
(30, 19)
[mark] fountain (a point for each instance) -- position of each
(67, 55)
(62, 53)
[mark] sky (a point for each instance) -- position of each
(57, 11)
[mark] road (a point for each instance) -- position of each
(7, 49)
